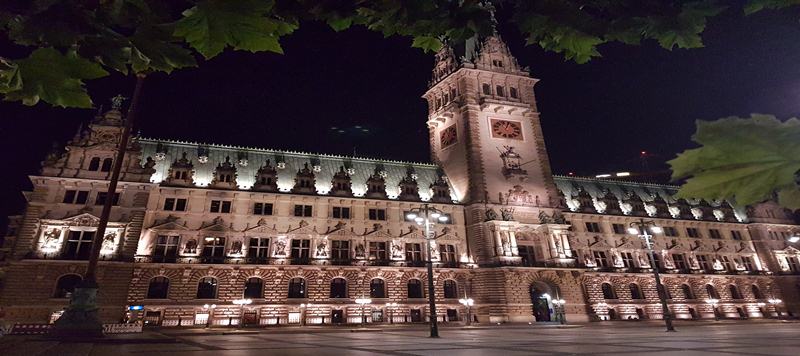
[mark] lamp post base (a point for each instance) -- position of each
(80, 318)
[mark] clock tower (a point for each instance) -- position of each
(485, 133)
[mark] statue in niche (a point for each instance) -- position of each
(190, 247)
(397, 251)
(490, 215)
(50, 238)
(280, 248)
(322, 249)
(236, 248)
(108, 242)
(507, 214)
(360, 250)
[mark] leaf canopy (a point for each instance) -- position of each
(744, 159)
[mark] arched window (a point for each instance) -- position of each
(297, 288)
(487, 89)
(450, 289)
(377, 288)
(338, 288)
(106, 165)
(499, 90)
(687, 291)
(66, 285)
(608, 291)
(712, 292)
(158, 288)
(207, 288)
(254, 288)
(636, 292)
(94, 164)
(756, 292)
(414, 288)
(734, 291)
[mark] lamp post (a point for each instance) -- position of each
(560, 304)
(428, 216)
(363, 302)
(210, 309)
(645, 230)
(775, 302)
(714, 302)
(390, 308)
(241, 303)
(303, 307)
(467, 302)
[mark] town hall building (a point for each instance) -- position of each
(196, 227)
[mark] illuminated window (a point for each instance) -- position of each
(214, 247)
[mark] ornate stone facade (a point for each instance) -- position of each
(303, 235)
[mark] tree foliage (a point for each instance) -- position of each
(162, 36)
(745, 159)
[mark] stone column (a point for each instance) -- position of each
(512, 237)
(498, 240)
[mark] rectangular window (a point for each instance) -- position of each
(76, 196)
(166, 248)
(101, 198)
(593, 227)
(262, 208)
(377, 250)
(340, 212)
(600, 259)
(702, 260)
(670, 231)
(692, 232)
(528, 255)
(175, 204)
(627, 259)
(747, 261)
(619, 229)
(340, 249)
(447, 253)
(258, 248)
(736, 234)
(377, 214)
(726, 263)
(214, 247)
(657, 261)
(714, 234)
(680, 261)
(79, 245)
(792, 263)
(301, 249)
(220, 206)
(413, 252)
(303, 210)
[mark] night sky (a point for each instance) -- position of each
(596, 117)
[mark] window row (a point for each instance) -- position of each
(499, 90)
(207, 288)
(609, 292)
(679, 261)
(72, 196)
(622, 229)
(96, 165)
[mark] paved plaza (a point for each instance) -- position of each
(743, 338)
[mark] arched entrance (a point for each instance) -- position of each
(542, 295)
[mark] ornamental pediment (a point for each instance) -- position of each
(379, 234)
(169, 224)
(84, 219)
(261, 228)
(216, 225)
(791, 250)
(302, 228)
(598, 242)
(413, 232)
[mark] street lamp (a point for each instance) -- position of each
(467, 302)
(390, 308)
(559, 306)
(645, 230)
(241, 303)
(714, 303)
(428, 216)
(363, 302)
(775, 302)
(210, 309)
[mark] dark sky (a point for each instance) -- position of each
(597, 117)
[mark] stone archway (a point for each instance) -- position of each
(542, 295)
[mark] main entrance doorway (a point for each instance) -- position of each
(542, 295)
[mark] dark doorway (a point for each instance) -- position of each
(541, 304)
(612, 314)
(152, 318)
(694, 314)
(337, 316)
(416, 316)
(250, 318)
(640, 313)
(452, 315)
(742, 314)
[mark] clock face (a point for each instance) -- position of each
(448, 136)
(506, 129)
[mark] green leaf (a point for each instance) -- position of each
(754, 6)
(52, 77)
(427, 43)
(743, 159)
(10, 79)
(246, 25)
(789, 198)
(154, 49)
(340, 23)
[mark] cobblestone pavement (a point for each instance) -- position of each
(744, 338)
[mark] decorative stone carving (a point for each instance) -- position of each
(519, 196)
(490, 215)
(190, 247)
(507, 214)
(512, 163)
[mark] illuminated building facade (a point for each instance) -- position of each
(197, 226)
